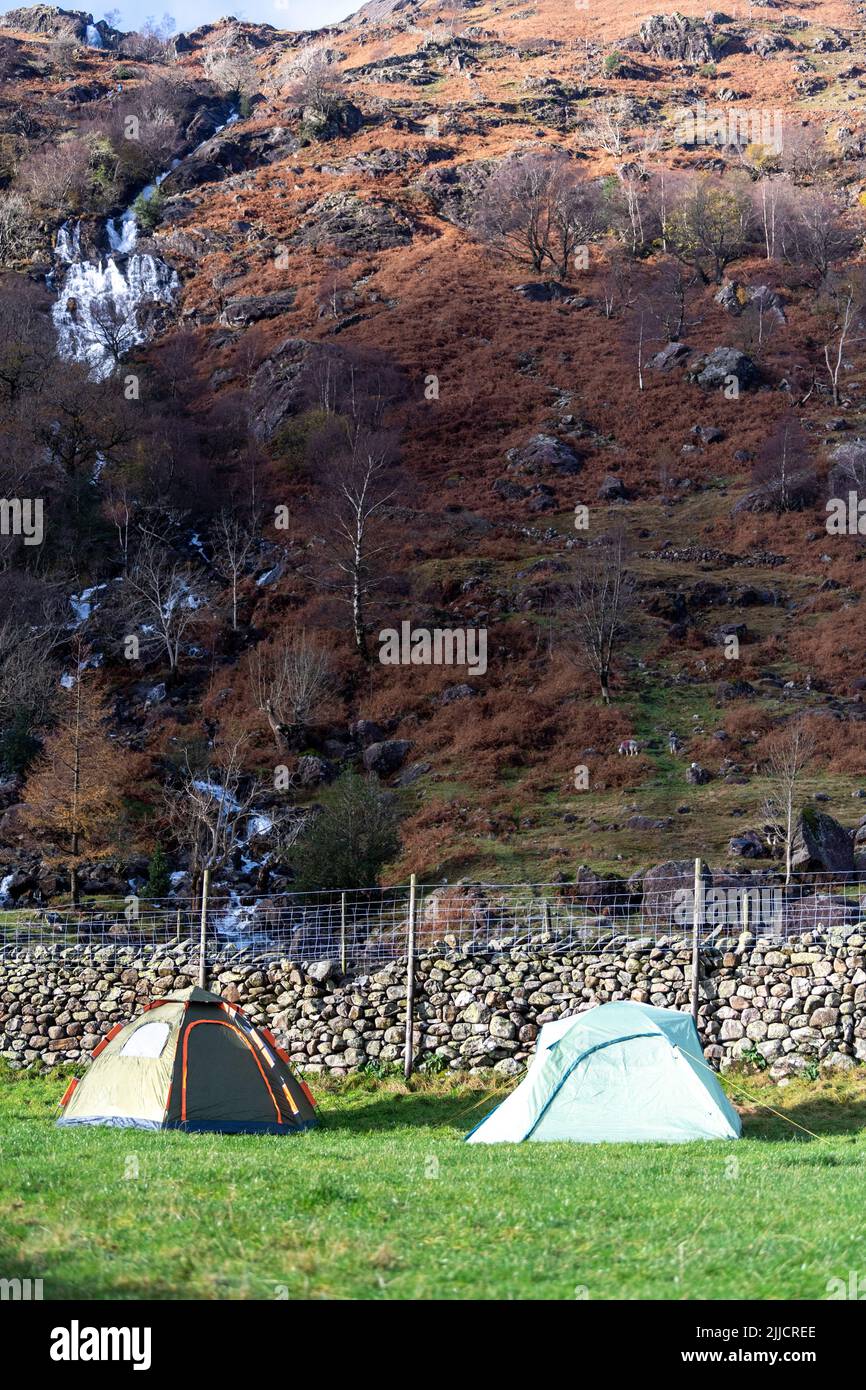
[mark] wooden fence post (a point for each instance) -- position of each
(202, 940)
(697, 916)
(343, 933)
(408, 1055)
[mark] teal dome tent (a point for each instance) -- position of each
(619, 1073)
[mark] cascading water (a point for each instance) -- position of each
(93, 37)
(98, 315)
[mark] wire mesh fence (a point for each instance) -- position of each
(360, 928)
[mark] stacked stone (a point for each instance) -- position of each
(784, 1005)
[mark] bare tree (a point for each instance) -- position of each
(208, 806)
(669, 298)
(618, 283)
(791, 751)
(536, 210)
(317, 84)
(841, 310)
(805, 155)
(773, 199)
(784, 473)
(359, 483)
(609, 124)
(597, 607)
(112, 327)
(28, 683)
(150, 43)
(161, 597)
(817, 235)
(288, 680)
(227, 60)
(233, 540)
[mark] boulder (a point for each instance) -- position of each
(821, 843)
(748, 845)
(229, 152)
(312, 771)
(253, 307)
(457, 692)
(820, 912)
(670, 356)
(542, 291)
(344, 119)
(677, 38)
(735, 297)
(544, 453)
(697, 776)
(612, 489)
(386, 757)
(366, 731)
(723, 363)
(456, 907)
(354, 224)
(664, 882)
(275, 387)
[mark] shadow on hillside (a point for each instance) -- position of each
(412, 1111)
(810, 1119)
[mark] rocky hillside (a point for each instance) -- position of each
(537, 296)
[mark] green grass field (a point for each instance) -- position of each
(384, 1201)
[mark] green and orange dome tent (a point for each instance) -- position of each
(194, 1062)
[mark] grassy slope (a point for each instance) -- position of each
(383, 1201)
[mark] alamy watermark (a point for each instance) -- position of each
(23, 516)
(729, 126)
(846, 516)
(731, 907)
(20, 1290)
(438, 646)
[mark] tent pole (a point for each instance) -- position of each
(410, 983)
(696, 921)
(202, 940)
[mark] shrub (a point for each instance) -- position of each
(149, 210)
(354, 835)
(18, 746)
(18, 237)
(158, 874)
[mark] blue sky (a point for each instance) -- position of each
(188, 14)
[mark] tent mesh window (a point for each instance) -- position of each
(147, 1041)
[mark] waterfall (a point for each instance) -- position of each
(67, 247)
(97, 312)
(96, 315)
(93, 36)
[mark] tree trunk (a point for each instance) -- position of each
(358, 621)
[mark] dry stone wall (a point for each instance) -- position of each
(795, 1005)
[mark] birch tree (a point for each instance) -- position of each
(597, 607)
(360, 484)
(160, 597)
(790, 754)
(841, 311)
(233, 541)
